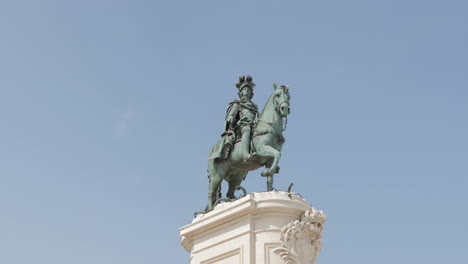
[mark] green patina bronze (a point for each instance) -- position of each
(250, 140)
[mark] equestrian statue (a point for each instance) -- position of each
(250, 140)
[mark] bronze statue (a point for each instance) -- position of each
(250, 140)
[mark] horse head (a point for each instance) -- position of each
(281, 100)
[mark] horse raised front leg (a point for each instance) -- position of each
(268, 151)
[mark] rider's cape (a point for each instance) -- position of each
(233, 110)
(219, 150)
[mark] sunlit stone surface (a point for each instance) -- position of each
(268, 227)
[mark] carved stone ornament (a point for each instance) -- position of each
(302, 239)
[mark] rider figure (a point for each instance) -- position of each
(241, 115)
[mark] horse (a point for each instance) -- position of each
(266, 141)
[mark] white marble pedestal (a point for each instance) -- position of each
(261, 228)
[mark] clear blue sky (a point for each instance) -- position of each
(108, 110)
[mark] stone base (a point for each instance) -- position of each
(269, 227)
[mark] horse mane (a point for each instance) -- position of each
(267, 102)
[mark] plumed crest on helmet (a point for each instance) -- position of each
(245, 82)
(285, 88)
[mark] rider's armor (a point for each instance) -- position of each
(243, 114)
(240, 117)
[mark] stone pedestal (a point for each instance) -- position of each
(261, 228)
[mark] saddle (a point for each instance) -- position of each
(225, 145)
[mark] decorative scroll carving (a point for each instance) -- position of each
(302, 239)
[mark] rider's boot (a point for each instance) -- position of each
(246, 131)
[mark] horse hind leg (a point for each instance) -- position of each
(214, 185)
(233, 184)
(214, 191)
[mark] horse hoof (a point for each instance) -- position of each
(265, 173)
